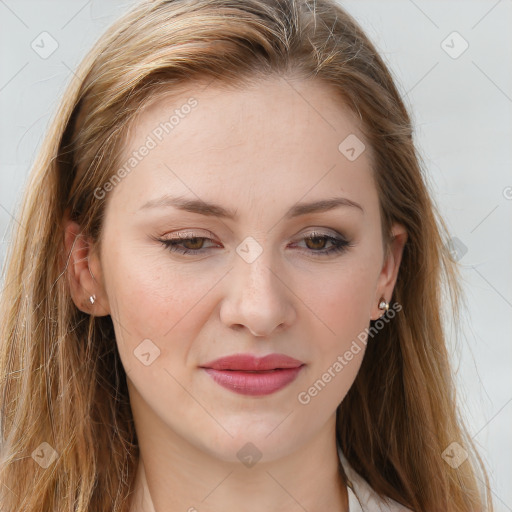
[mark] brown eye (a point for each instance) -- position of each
(184, 245)
(193, 243)
(316, 242)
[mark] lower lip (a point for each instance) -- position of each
(254, 384)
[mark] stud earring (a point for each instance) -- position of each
(383, 305)
(92, 299)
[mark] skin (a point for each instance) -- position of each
(259, 150)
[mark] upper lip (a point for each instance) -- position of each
(249, 362)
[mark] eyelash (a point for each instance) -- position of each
(340, 245)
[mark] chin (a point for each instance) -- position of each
(251, 443)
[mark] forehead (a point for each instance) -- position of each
(271, 139)
(300, 107)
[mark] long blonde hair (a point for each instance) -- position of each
(62, 380)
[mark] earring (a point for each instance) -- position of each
(383, 305)
(92, 299)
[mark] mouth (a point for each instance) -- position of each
(256, 371)
(248, 375)
(252, 363)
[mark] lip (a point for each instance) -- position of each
(250, 375)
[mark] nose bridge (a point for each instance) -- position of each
(254, 268)
(258, 298)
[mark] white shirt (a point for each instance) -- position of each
(361, 497)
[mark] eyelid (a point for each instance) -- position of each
(189, 233)
(314, 231)
(205, 233)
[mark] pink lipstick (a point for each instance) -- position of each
(250, 375)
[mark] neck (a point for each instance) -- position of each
(178, 474)
(299, 482)
(334, 498)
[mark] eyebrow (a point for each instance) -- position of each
(214, 210)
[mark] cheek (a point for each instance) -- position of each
(137, 299)
(342, 299)
(155, 301)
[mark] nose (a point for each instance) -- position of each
(257, 297)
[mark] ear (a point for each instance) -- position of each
(83, 271)
(389, 273)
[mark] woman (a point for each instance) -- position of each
(226, 290)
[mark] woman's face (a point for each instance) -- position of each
(257, 282)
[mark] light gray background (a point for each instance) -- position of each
(461, 108)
